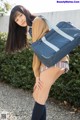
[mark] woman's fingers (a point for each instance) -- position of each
(38, 85)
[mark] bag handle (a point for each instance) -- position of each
(57, 29)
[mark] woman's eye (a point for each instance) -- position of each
(20, 14)
(17, 20)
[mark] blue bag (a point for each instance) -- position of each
(57, 43)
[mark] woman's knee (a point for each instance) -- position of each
(40, 100)
(41, 95)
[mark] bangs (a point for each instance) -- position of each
(17, 13)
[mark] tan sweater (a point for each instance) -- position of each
(39, 28)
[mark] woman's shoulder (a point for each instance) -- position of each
(37, 20)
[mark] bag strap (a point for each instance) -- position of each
(50, 44)
(57, 29)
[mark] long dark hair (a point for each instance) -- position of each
(17, 38)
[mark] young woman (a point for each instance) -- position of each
(20, 22)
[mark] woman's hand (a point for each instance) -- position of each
(38, 83)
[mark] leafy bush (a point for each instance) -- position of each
(3, 37)
(16, 69)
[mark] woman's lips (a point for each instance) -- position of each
(24, 23)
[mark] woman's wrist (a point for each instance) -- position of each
(37, 79)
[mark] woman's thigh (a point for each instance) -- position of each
(48, 77)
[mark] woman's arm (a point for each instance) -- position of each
(39, 28)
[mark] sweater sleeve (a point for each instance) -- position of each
(39, 28)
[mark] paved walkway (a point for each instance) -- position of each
(17, 104)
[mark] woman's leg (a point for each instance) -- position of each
(39, 112)
(43, 117)
(48, 77)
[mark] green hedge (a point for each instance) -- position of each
(16, 69)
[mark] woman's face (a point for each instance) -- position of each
(21, 19)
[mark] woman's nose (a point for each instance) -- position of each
(21, 20)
